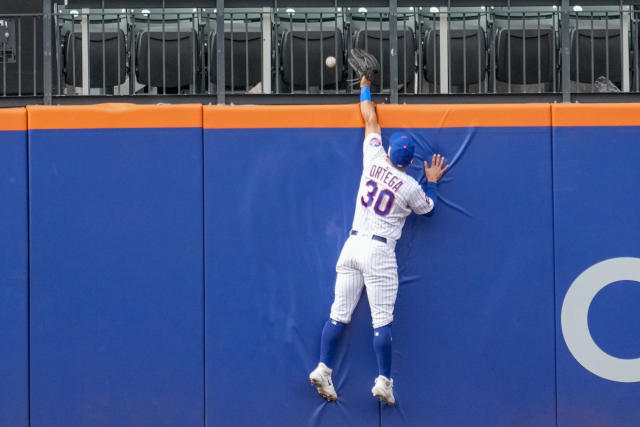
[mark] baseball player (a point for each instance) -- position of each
(387, 195)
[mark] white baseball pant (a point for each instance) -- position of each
(371, 263)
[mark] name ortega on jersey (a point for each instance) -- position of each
(386, 176)
(386, 198)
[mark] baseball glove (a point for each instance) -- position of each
(364, 64)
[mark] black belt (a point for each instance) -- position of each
(374, 237)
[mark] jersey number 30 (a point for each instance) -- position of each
(384, 202)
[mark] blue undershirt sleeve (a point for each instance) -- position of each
(431, 189)
(365, 94)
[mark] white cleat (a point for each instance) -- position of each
(321, 379)
(383, 390)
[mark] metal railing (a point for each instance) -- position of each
(20, 64)
(214, 53)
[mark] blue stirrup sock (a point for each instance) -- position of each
(382, 347)
(331, 334)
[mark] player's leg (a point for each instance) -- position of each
(381, 279)
(347, 291)
(348, 288)
(349, 285)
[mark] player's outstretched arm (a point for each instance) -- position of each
(433, 174)
(367, 108)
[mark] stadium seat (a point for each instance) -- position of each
(535, 48)
(469, 43)
(377, 42)
(115, 59)
(181, 59)
(300, 53)
(244, 51)
(582, 56)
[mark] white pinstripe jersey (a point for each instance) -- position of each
(386, 195)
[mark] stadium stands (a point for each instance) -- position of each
(174, 51)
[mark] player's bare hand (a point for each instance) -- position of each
(364, 82)
(434, 172)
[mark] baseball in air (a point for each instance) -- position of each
(330, 62)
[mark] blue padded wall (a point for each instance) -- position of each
(474, 329)
(278, 206)
(117, 304)
(473, 332)
(181, 277)
(14, 358)
(596, 178)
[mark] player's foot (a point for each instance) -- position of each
(383, 390)
(321, 379)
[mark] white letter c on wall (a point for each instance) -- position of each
(574, 319)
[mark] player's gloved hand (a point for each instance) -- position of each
(364, 64)
(434, 172)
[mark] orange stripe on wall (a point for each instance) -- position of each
(317, 116)
(623, 114)
(13, 119)
(282, 116)
(408, 116)
(463, 115)
(107, 116)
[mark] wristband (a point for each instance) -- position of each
(365, 93)
(431, 189)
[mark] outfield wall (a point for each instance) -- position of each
(116, 266)
(14, 271)
(182, 259)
